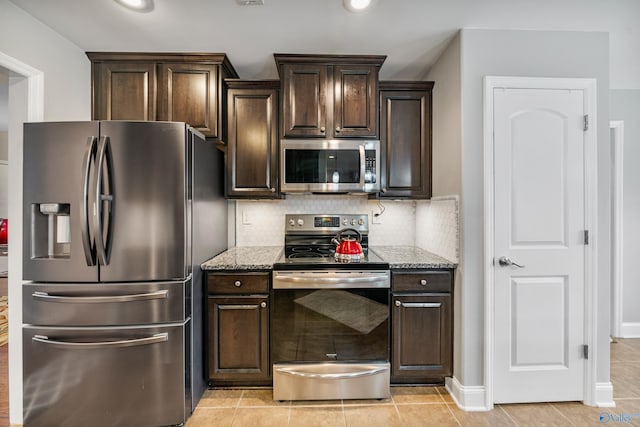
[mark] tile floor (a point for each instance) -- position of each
(423, 406)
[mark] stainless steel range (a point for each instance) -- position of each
(330, 317)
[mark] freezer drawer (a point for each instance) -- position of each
(126, 376)
(105, 304)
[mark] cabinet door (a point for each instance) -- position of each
(405, 135)
(189, 93)
(252, 149)
(304, 103)
(355, 101)
(238, 338)
(124, 91)
(422, 338)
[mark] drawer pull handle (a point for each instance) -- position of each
(423, 282)
(44, 296)
(419, 304)
(237, 283)
(263, 304)
(154, 339)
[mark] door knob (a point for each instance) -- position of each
(506, 261)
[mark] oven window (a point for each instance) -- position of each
(330, 324)
(322, 166)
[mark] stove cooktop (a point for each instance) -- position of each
(371, 261)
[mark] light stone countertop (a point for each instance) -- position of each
(245, 258)
(406, 257)
(263, 258)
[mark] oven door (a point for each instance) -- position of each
(330, 335)
(329, 166)
(322, 316)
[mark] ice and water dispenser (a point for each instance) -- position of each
(50, 230)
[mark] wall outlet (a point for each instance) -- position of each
(375, 219)
(246, 218)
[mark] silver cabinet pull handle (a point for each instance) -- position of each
(237, 283)
(263, 304)
(157, 338)
(506, 261)
(43, 296)
(423, 282)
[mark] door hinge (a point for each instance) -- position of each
(586, 237)
(585, 351)
(585, 122)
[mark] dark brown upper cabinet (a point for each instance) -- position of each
(329, 96)
(252, 143)
(405, 139)
(162, 86)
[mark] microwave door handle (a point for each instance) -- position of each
(363, 165)
(87, 241)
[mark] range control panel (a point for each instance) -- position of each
(330, 222)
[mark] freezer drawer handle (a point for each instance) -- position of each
(102, 299)
(154, 339)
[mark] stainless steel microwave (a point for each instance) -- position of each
(329, 166)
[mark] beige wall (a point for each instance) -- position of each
(4, 145)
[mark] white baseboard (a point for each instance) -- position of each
(604, 395)
(630, 330)
(468, 398)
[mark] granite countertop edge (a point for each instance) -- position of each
(263, 257)
(244, 258)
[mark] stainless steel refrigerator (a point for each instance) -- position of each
(118, 216)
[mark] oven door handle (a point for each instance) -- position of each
(303, 281)
(332, 376)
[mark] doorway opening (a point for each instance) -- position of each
(25, 102)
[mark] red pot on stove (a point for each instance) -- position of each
(348, 248)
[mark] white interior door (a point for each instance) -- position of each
(539, 223)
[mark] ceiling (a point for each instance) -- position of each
(412, 33)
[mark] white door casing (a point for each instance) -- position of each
(617, 222)
(537, 209)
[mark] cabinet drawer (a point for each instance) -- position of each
(241, 283)
(422, 281)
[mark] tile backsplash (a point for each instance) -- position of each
(401, 222)
(437, 227)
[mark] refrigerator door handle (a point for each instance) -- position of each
(154, 339)
(44, 296)
(103, 244)
(87, 241)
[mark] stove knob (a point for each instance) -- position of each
(345, 221)
(353, 222)
(300, 222)
(361, 221)
(292, 222)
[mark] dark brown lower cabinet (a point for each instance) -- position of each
(238, 330)
(422, 334)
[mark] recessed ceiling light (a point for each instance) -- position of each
(356, 5)
(137, 5)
